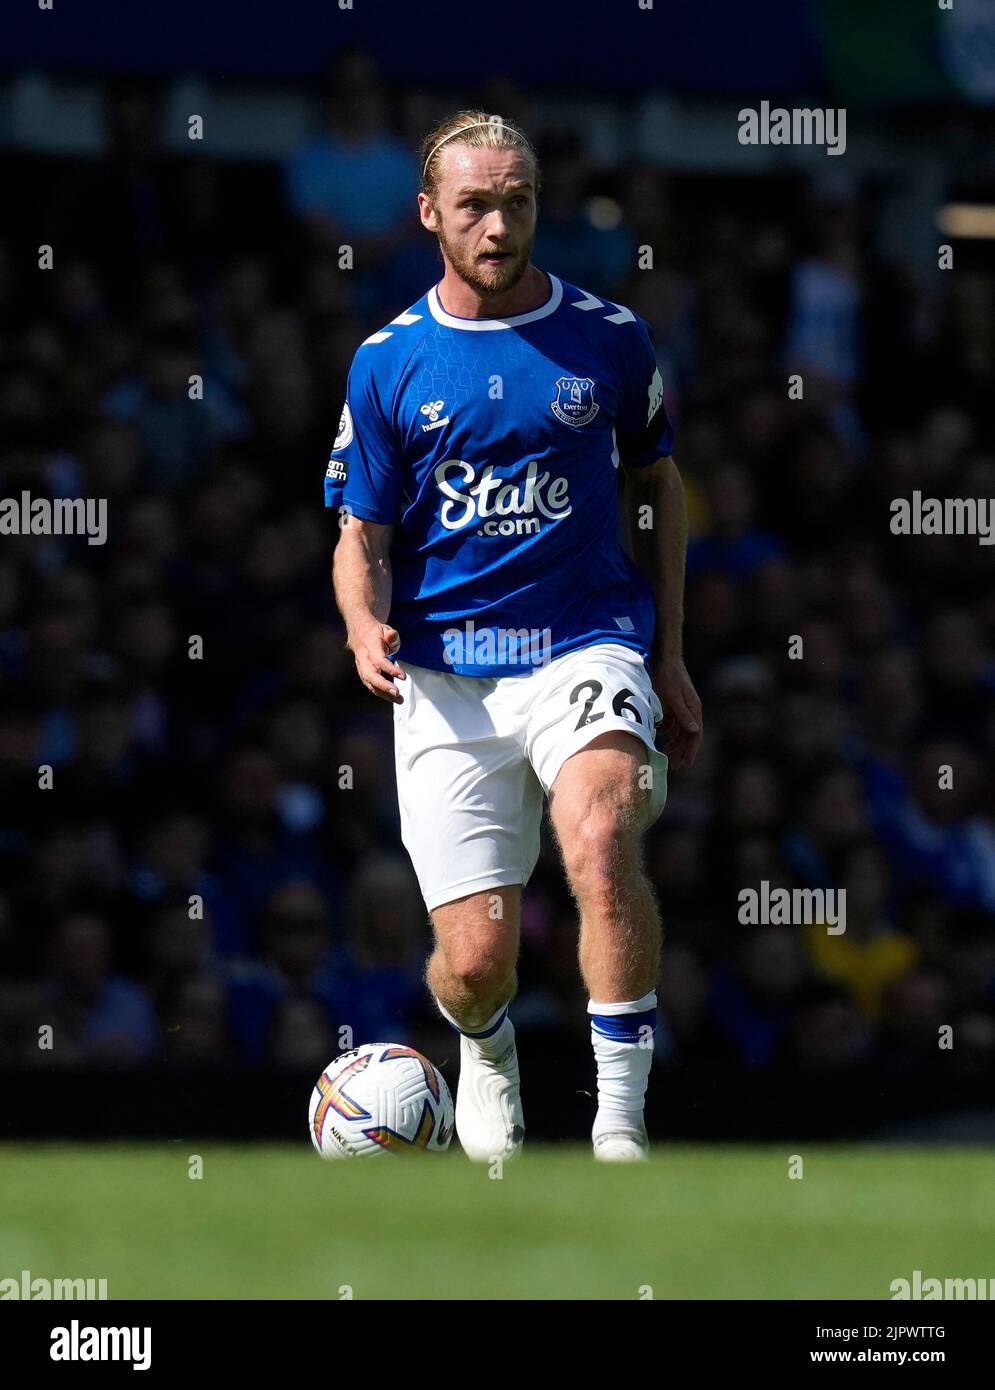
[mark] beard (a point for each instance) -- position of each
(486, 279)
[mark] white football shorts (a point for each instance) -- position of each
(475, 757)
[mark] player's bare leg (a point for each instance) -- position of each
(472, 971)
(598, 807)
(472, 977)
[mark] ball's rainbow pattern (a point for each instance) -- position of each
(397, 1143)
(333, 1097)
(431, 1076)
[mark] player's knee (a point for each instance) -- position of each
(480, 960)
(600, 846)
(480, 970)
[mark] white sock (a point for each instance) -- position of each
(492, 1038)
(622, 1038)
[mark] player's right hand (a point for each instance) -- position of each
(372, 647)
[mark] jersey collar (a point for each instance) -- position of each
(488, 325)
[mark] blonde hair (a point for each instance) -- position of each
(477, 130)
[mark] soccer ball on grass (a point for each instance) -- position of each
(380, 1098)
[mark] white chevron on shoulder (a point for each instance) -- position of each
(624, 315)
(590, 301)
(403, 321)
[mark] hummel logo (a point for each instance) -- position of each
(431, 409)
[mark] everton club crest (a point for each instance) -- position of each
(575, 403)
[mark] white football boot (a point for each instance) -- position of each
(489, 1103)
(622, 1146)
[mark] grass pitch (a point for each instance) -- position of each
(701, 1222)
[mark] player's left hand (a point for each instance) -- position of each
(682, 723)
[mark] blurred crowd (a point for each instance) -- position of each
(215, 872)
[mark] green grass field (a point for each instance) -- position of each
(277, 1222)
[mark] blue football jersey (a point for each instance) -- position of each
(492, 446)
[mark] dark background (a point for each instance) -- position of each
(221, 777)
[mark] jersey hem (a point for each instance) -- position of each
(489, 672)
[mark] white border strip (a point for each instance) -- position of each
(489, 325)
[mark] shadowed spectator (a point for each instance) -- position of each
(301, 1036)
(296, 958)
(870, 955)
(388, 940)
(96, 1016)
(355, 181)
(752, 1004)
(196, 1024)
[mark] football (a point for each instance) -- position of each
(380, 1098)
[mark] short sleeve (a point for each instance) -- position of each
(643, 431)
(365, 468)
